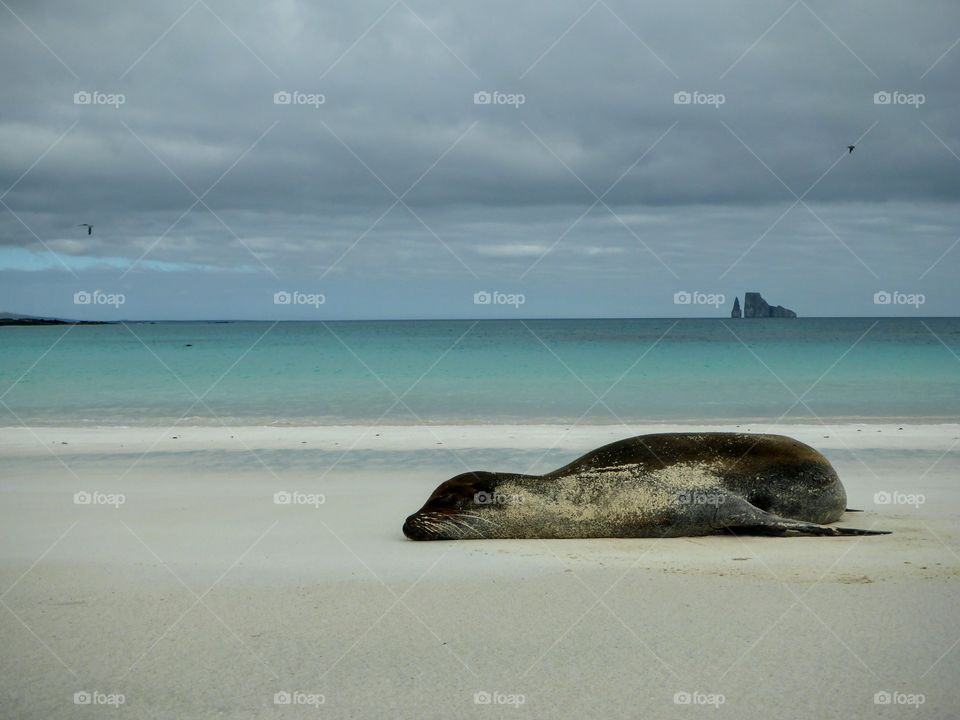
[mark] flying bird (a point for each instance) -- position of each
(850, 148)
(88, 226)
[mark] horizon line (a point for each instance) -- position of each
(461, 319)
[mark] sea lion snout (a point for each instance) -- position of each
(415, 529)
(411, 529)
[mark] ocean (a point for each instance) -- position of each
(489, 371)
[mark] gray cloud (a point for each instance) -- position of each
(294, 191)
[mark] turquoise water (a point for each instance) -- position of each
(499, 371)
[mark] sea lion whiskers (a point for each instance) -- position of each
(436, 525)
(479, 517)
(449, 527)
(460, 522)
(428, 522)
(433, 525)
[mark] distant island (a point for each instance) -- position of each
(14, 319)
(754, 306)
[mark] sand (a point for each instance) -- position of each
(182, 589)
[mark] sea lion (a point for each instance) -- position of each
(661, 485)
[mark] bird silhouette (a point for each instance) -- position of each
(88, 226)
(850, 148)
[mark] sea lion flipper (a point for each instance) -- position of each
(739, 516)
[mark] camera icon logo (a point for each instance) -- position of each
(882, 498)
(282, 98)
(681, 698)
(281, 698)
(882, 297)
(682, 98)
(82, 98)
(682, 298)
(82, 298)
(282, 298)
(882, 98)
(82, 698)
(882, 698)
(82, 498)
(483, 498)
(481, 298)
(282, 498)
(482, 98)
(482, 697)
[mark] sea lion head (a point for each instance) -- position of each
(459, 508)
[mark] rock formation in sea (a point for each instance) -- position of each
(754, 306)
(736, 308)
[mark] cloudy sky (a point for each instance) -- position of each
(227, 151)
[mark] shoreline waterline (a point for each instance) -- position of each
(74, 439)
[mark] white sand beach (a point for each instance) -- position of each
(178, 586)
